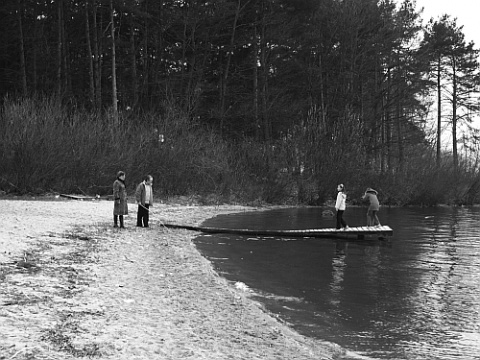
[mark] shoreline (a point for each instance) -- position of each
(87, 289)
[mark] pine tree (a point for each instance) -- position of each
(455, 66)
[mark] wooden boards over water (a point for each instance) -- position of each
(352, 232)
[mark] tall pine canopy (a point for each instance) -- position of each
(323, 89)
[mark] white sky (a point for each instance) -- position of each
(467, 13)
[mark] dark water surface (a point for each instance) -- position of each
(416, 296)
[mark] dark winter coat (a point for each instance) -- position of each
(120, 198)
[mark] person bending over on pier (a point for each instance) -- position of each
(340, 206)
(144, 198)
(373, 208)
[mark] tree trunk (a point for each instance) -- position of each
(263, 59)
(114, 65)
(63, 73)
(439, 113)
(23, 68)
(134, 63)
(160, 69)
(145, 87)
(399, 137)
(255, 84)
(323, 110)
(90, 56)
(66, 55)
(59, 48)
(388, 135)
(227, 66)
(97, 60)
(36, 37)
(454, 115)
(191, 66)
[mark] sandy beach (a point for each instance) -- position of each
(72, 286)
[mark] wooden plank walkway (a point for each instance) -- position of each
(350, 232)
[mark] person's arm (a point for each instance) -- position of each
(138, 194)
(339, 200)
(116, 191)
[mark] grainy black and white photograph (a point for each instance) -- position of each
(239, 180)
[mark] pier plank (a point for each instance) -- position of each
(359, 232)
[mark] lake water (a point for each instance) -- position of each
(416, 296)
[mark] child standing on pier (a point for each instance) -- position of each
(340, 206)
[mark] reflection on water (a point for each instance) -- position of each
(414, 297)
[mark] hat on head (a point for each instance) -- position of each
(370, 190)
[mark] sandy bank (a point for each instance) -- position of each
(72, 287)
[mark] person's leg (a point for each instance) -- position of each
(115, 221)
(343, 222)
(146, 215)
(369, 218)
(139, 216)
(376, 221)
(121, 222)
(339, 218)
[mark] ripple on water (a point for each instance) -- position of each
(417, 297)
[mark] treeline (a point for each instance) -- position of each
(45, 148)
(269, 100)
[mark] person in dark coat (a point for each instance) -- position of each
(120, 207)
(144, 198)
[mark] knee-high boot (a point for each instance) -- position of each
(115, 221)
(121, 222)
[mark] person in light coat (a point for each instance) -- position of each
(373, 208)
(340, 206)
(120, 207)
(144, 198)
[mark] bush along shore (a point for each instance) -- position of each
(73, 287)
(45, 147)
